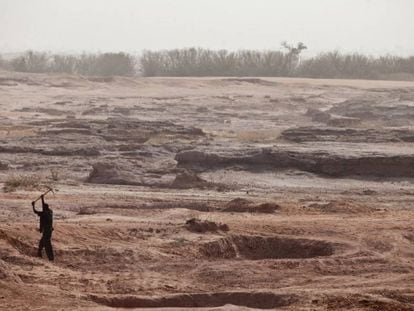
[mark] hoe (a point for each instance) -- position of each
(44, 193)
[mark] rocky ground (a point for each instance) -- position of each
(208, 193)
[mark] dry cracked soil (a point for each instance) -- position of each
(208, 193)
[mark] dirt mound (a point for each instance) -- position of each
(331, 119)
(338, 207)
(318, 115)
(260, 300)
(108, 173)
(259, 247)
(240, 205)
(202, 226)
(188, 179)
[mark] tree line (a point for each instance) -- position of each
(199, 62)
(107, 64)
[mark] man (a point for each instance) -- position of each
(46, 228)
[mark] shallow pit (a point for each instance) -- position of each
(260, 300)
(261, 247)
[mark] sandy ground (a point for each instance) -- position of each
(313, 178)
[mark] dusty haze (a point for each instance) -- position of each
(366, 26)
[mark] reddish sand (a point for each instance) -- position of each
(300, 234)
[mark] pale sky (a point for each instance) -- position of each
(368, 26)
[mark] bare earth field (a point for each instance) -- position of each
(208, 193)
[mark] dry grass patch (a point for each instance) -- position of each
(24, 182)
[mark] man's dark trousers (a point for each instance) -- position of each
(46, 242)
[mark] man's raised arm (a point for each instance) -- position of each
(34, 210)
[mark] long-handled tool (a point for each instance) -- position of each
(44, 193)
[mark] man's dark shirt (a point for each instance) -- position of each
(46, 220)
